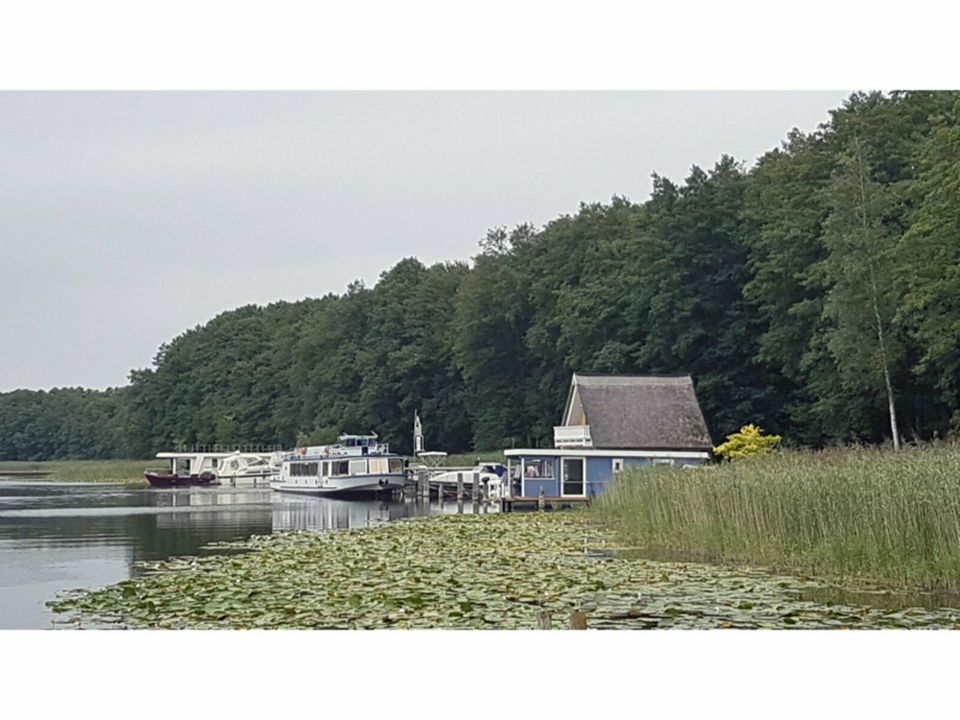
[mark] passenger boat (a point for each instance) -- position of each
(354, 464)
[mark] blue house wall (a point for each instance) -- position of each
(599, 471)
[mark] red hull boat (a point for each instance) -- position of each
(166, 480)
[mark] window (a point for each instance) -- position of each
(378, 465)
(663, 461)
(396, 465)
(538, 468)
(340, 467)
(617, 465)
(358, 467)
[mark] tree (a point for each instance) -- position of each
(862, 299)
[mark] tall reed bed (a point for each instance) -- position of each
(862, 511)
(102, 471)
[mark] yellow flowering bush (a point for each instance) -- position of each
(750, 440)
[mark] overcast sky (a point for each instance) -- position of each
(129, 217)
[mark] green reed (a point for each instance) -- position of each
(102, 471)
(853, 512)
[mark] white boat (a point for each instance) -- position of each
(492, 475)
(208, 465)
(355, 464)
(248, 468)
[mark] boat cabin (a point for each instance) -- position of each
(612, 422)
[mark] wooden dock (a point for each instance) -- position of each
(507, 503)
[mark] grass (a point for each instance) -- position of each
(870, 513)
(93, 471)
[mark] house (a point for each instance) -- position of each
(611, 422)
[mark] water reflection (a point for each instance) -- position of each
(62, 536)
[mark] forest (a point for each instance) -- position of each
(815, 294)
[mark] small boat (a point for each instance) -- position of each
(160, 479)
(354, 464)
(248, 468)
(489, 474)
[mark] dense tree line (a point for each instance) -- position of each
(816, 294)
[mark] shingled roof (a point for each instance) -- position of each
(649, 412)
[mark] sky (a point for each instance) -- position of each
(127, 218)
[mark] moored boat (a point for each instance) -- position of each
(160, 479)
(206, 466)
(491, 475)
(354, 464)
(248, 468)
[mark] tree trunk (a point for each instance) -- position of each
(874, 296)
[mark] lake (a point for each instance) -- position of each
(61, 536)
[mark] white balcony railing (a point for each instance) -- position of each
(565, 436)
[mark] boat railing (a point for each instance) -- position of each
(222, 448)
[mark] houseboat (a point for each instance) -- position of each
(354, 464)
(610, 423)
(184, 469)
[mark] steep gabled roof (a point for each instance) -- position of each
(641, 411)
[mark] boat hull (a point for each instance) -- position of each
(248, 479)
(168, 480)
(342, 485)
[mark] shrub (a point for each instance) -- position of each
(750, 440)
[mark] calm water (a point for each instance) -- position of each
(61, 536)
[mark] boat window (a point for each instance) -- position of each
(358, 467)
(379, 465)
(340, 467)
(396, 465)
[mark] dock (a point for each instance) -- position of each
(542, 502)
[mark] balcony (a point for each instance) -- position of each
(572, 436)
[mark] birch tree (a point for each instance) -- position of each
(862, 300)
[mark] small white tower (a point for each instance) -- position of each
(417, 434)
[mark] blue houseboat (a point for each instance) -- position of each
(612, 422)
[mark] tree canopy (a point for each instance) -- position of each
(816, 294)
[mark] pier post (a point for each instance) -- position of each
(578, 620)
(423, 484)
(543, 620)
(460, 493)
(542, 500)
(475, 493)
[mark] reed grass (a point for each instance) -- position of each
(872, 513)
(101, 471)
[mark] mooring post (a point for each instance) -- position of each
(440, 494)
(542, 500)
(460, 493)
(475, 492)
(423, 484)
(578, 620)
(543, 620)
